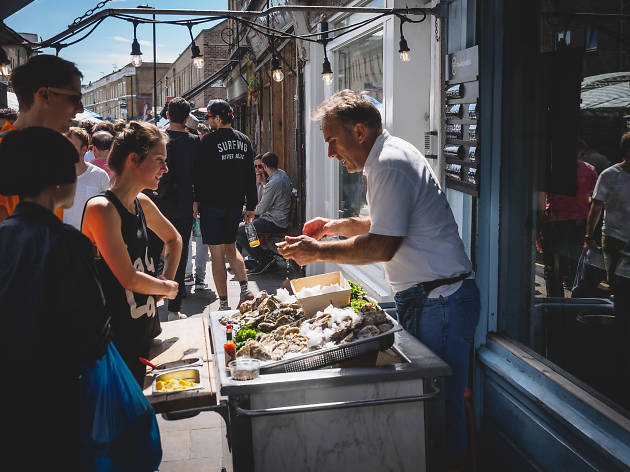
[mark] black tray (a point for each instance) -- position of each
(334, 354)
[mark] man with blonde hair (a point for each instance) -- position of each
(412, 230)
(91, 180)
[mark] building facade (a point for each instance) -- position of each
(183, 79)
(124, 94)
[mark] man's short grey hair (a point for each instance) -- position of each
(350, 108)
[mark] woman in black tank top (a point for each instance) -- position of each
(116, 223)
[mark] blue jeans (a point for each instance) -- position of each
(446, 325)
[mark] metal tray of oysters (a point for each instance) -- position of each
(291, 342)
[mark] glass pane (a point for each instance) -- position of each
(583, 211)
(359, 68)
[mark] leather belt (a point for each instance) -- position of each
(432, 284)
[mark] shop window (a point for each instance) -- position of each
(574, 108)
(359, 68)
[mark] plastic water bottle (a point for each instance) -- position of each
(252, 236)
(196, 228)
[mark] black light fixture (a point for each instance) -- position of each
(136, 54)
(327, 73)
(404, 48)
(276, 70)
(5, 64)
(197, 57)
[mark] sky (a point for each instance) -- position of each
(108, 48)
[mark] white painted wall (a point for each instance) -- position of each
(407, 94)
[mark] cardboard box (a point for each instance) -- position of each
(315, 303)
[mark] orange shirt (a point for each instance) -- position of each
(10, 202)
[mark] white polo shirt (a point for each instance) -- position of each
(405, 199)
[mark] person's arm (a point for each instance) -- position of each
(362, 249)
(594, 213)
(101, 224)
(164, 230)
(266, 200)
(319, 228)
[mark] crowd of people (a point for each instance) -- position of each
(96, 221)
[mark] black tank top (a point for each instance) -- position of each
(134, 315)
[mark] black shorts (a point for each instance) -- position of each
(219, 225)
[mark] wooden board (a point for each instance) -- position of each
(182, 339)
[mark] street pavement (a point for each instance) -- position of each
(198, 444)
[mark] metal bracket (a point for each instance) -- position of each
(336, 405)
(221, 408)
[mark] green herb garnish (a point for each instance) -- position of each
(243, 334)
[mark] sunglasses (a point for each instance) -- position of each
(258, 166)
(73, 94)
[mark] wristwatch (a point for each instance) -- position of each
(587, 238)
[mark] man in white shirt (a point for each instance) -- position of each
(91, 180)
(612, 197)
(412, 230)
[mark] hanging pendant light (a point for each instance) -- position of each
(327, 73)
(403, 47)
(136, 54)
(276, 70)
(197, 57)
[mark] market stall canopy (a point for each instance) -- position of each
(88, 115)
(606, 91)
(8, 8)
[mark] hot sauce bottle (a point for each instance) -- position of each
(230, 346)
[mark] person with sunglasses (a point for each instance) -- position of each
(48, 90)
(261, 175)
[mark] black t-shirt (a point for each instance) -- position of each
(224, 172)
(175, 191)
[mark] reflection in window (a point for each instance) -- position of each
(582, 234)
(359, 68)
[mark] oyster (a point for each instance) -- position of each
(368, 331)
(254, 349)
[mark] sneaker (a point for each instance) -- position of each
(261, 268)
(247, 295)
(176, 315)
(223, 305)
(189, 279)
(200, 284)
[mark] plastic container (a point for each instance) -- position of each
(311, 305)
(244, 368)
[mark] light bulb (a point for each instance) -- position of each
(278, 75)
(198, 62)
(136, 59)
(5, 69)
(327, 74)
(404, 50)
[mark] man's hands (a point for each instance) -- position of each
(319, 228)
(302, 249)
(249, 216)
